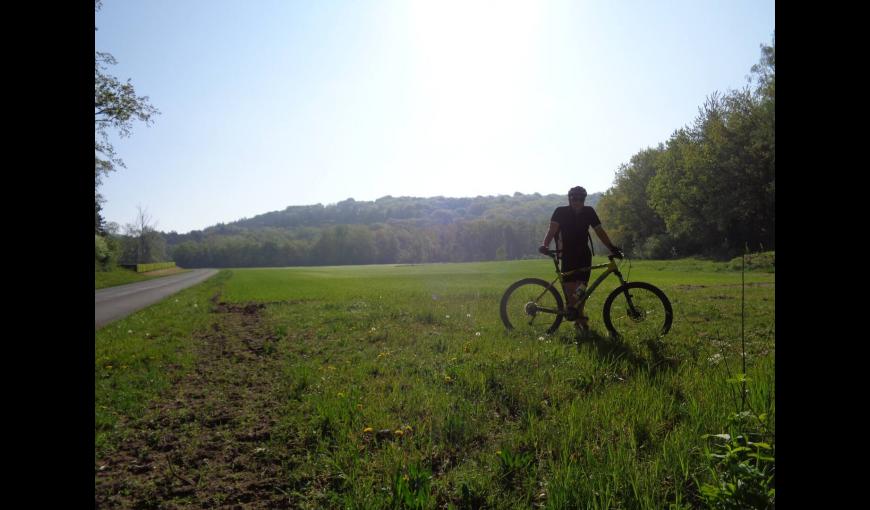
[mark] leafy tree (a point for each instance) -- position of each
(625, 210)
(116, 107)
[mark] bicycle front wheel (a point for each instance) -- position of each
(639, 311)
(532, 306)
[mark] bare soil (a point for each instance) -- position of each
(206, 444)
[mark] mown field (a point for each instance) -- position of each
(397, 386)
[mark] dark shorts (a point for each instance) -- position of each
(571, 261)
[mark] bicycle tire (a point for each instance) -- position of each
(655, 304)
(527, 290)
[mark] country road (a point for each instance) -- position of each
(117, 302)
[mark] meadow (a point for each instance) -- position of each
(398, 387)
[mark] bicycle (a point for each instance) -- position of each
(633, 308)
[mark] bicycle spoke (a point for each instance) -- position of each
(531, 307)
(640, 315)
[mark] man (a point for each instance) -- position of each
(570, 225)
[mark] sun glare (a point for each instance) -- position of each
(474, 71)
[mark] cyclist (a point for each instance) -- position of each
(570, 226)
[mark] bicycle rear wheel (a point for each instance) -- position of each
(638, 310)
(532, 306)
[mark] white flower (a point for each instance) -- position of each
(715, 359)
(374, 328)
(129, 331)
(477, 333)
(446, 316)
(541, 338)
(468, 315)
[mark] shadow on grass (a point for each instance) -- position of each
(650, 355)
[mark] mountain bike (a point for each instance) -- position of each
(634, 309)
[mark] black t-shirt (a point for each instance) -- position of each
(574, 227)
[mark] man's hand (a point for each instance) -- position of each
(542, 249)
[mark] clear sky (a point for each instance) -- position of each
(267, 103)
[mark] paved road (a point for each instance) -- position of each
(114, 303)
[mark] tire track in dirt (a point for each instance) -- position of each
(206, 444)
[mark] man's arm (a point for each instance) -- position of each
(599, 230)
(554, 227)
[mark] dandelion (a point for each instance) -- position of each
(399, 432)
(408, 428)
(368, 430)
(340, 394)
(448, 379)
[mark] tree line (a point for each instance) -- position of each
(385, 231)
(710, 189)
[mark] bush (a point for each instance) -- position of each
(658, 247)
(142, 268)
(764, 261)
(102, 254)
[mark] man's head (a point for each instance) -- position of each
(577, 197)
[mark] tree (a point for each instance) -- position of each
(625, 208)
(145, 244)
(116, 107)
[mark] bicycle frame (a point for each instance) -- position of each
(611, 266)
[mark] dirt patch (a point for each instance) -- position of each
(206, 444)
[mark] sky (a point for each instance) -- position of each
(266, 104)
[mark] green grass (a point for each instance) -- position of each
(486, 417)
(137, 357)
(119, 276)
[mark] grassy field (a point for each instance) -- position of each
(397, 386)
(121, 276)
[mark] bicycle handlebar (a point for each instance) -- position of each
(552, 253)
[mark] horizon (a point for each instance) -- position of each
(333, 204)
(313, 104)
